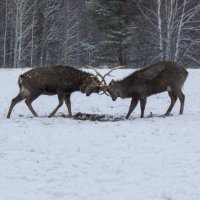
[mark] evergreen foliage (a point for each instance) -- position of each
(98, 32)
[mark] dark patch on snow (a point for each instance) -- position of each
(97, 117)
(102, 117)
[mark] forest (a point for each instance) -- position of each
(98, 33)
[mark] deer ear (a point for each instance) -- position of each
(112, 82)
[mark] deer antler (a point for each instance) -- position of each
(103, 80)
(105, 86)
(104, 92)
(98, 74)
(108, 73)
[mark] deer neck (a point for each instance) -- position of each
(119, 90)
(123, 90)
(82, 77)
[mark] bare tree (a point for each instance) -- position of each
(6, 25)
(173, 21)
(71, 30)
(23, 29)
(5, 33)
(49, 29)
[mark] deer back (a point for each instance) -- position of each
(153, 79)
(49, 79)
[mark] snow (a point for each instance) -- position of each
(154, 158)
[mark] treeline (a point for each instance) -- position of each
(98, 32)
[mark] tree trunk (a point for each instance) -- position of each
(5, 37)
(160, 29)
(16, 35)
(121, 59)
(179, 33)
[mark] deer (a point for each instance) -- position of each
(54, 80)
(164, 76)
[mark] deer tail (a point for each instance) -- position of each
(20, 81)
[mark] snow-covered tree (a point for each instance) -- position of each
(175, 23)
(112, 20)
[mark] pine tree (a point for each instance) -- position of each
(112, 20)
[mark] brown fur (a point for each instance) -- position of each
(55, 80)
(160, 77)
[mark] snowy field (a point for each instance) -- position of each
(154, 158)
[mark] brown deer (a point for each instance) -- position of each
(160, 77)
(56, 80)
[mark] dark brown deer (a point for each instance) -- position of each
(163, 76)
(56, 80)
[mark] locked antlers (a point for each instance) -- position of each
(104, 85)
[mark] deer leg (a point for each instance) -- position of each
(68, 104)
(14, 101)
(173, 101)
(181, 97)
(134, 103)
(60, 99)
(178, 92)
(142, 106)
(29, 101)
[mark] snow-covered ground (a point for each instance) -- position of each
(137, 159)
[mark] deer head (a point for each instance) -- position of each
(112, 88)
(91, 85)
